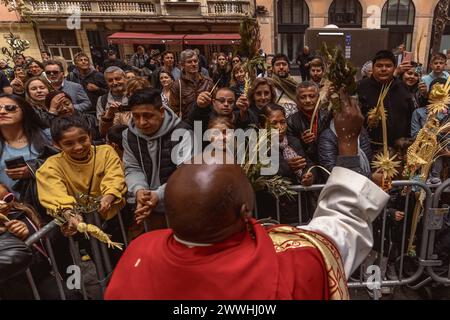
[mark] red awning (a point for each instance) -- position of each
(145, 38)
(156, 38)
(212, 38)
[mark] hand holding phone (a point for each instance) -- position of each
(16, 168)
(14, 163)
(407, 56)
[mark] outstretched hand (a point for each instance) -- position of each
(348, 124)
(146, 201)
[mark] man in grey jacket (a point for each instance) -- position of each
(151, 154)
(54, 72)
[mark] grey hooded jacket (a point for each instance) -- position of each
(135, 175)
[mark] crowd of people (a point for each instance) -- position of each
(108, 135)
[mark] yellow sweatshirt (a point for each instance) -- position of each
(61, 178)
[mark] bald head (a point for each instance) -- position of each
(208, 203)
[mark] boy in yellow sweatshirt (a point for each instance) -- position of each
(80, 168)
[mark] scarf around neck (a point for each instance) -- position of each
(287, 85)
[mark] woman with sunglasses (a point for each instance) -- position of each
(21, 138)
(236, 59)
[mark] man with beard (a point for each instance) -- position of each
(92, 81)
(110, 106)
(285, 85)
(54, 72)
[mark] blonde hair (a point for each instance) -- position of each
(259, 82)
(236, 68)
(136, 84)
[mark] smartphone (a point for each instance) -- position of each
(14, 163)
(407, 56)
(124, 108)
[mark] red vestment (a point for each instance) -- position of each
(280, 266)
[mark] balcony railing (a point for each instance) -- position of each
(108, 8)
(228, 8)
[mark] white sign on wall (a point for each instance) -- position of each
(374, 18)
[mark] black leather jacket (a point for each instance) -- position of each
(15, 256)
(299, 123)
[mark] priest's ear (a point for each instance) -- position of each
(245, 211)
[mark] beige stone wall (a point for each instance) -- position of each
(25, 32)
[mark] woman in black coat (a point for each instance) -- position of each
(293, 165)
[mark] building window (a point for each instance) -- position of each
(293, 20)
(345, 13)
(61, 43)
(398, 16)
(293, 12)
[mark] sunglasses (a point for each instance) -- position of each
(235, 61)
(9, 197)
(52, 72)
(9, 107)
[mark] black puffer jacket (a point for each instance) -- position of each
(329, 150)
(299, 123)
(93, 77)
(398, 104)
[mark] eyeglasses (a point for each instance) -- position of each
(235, 61)
(223, 100)
(9, 107)
(51, 72)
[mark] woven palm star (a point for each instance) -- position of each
(386, 164)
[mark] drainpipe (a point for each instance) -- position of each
(275, 26)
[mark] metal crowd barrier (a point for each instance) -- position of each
(100, 256)
(438, 215)
(432, 220)
(421, 257)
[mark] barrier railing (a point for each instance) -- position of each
(99, 250)
(421, 258)
(432, 219)
(437, 223)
